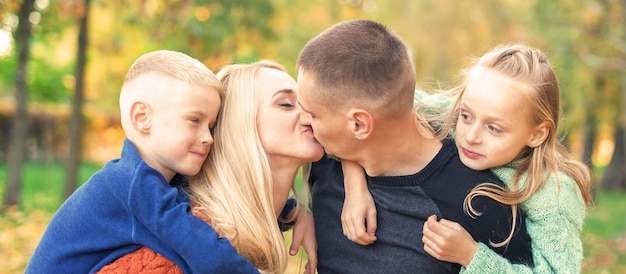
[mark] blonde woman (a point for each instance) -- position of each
(259, 146)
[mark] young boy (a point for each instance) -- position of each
(169, 103)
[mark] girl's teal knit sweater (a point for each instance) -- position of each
(554, 219)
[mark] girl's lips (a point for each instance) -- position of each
(470, 154)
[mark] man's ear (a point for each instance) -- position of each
(140, 116)
(540, 133)
(361, 123)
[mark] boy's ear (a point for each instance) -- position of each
(140, 116)
(540, 133)
(361, 123)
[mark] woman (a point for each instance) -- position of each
(245, 181)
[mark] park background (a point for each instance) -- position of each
(62, 63)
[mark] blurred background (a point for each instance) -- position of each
(62, 63)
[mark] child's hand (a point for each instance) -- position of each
(304, 234)
(448, 241)
(358, 217)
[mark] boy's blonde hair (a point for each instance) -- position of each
(234, 187)
(150, 74)
(528, 70)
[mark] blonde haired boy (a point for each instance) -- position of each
(169, 103)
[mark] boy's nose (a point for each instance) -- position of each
(206, 137)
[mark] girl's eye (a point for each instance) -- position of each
(465, 117)
(287, 105)
(494, 129)
(194, 120)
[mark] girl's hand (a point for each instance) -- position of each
(448, 241)
(358, 217)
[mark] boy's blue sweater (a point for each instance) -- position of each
(122, 207)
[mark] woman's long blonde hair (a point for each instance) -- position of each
(528, 69)
(233, 190)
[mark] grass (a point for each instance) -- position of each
(43, 184)
(604, 234)
(42, 194)
(607, 223)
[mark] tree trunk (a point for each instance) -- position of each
(615, 173)
(614, 176)
(590, 128)
(622, 162)
(17, 147)
(589, 139)
(76, 120)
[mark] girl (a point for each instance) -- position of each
(506, 118)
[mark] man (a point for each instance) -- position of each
(356, 85)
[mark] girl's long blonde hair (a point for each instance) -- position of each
(233, 190)
(528, 69)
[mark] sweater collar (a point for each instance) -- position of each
(447, 151)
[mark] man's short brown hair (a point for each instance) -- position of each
(360, 60)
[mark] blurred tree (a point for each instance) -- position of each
(597, 43)
(295, 23)
(76, 119)
(615, 174)
(614, 177)
(215, 32)
(441, 36)
(590, 123)
(582, 85)
(17, 148)
(577, 35)
(49, 64)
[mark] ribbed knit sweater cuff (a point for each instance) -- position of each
(478, 265)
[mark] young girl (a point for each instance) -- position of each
(505, 118)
